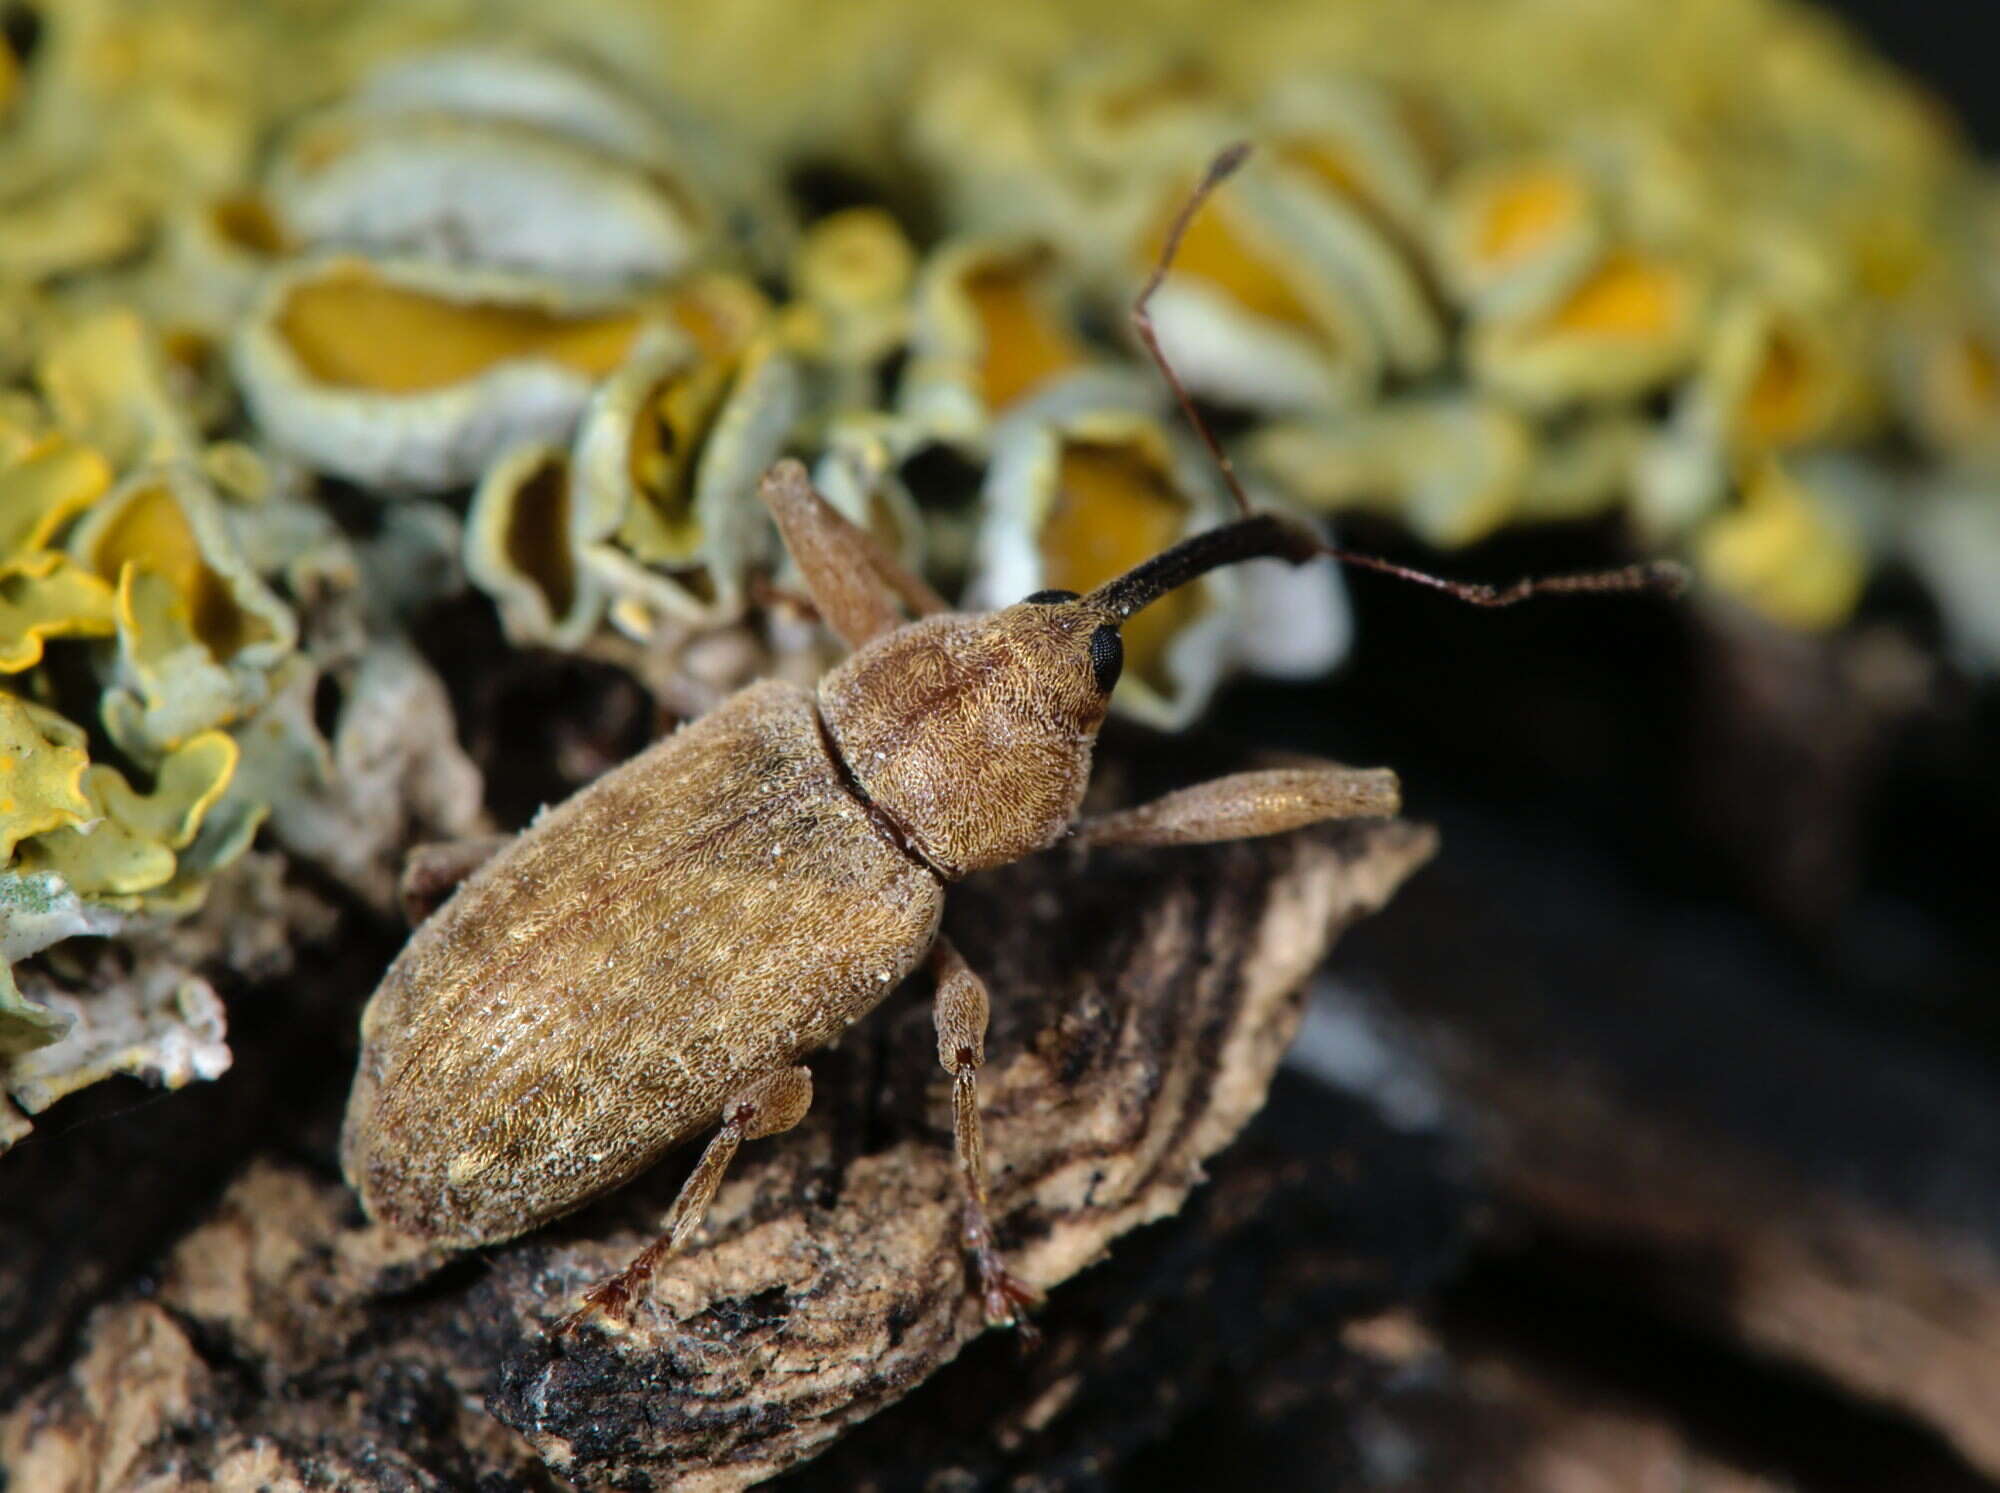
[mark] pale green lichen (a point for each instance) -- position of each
(169, 580)
(1725, 280)
(48, 482)
(154, 579)
(161, 1022)
(198, 630)
(24, 1025)
(37, 909)
(42, 763)
(45, 596)
(127, 844)
(208, 705)
(106, 383)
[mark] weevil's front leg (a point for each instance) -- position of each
(1245, 805)
(432, 871)
(961, 1013)
(771, 1104)
(850, 575)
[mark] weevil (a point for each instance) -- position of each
(653, 957)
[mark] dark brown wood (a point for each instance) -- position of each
(1670, 1120)
(1141, 1004)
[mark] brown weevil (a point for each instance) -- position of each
(657, 953)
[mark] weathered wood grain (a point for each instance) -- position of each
(1141, 1005)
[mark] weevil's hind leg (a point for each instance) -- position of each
(432, 872)
(961, 1013)
(852, 578)
(771, 1104)
(1245, 805)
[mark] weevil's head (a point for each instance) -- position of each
(973, 732)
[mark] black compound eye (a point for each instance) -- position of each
(1047, 598)
(1107, 656)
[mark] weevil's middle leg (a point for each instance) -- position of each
(772, 1104)
(961, 1013)
(1244, 805)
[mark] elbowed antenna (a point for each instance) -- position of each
(1266, 536)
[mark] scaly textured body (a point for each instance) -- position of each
(653, 957)
(592, 995)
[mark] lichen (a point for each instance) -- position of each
(1728, 282)
(161, 1022)
(166, 592)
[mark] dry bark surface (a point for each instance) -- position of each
(1141, 1005)
(1709, 1148)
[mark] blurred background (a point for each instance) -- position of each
(383, 388)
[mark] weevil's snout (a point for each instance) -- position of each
(974, 732)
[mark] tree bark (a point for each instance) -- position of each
(1141, 1005)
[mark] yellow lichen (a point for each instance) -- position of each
(1331, 165)
(1217, 250)
(665, 448)
(537, 539)
(1521, 215)
(1453, 469)
(858, 258)
(518, 544)
(1780, 407)
(150, 530)
(1959, 391)
(1783, 553)
(182, 689)
(185, 787)
(1023, 343)
(42, 763)
(1629, 297)
(128, 844)
(722, 313)
(1629, 324)
(107, 859)
(51, 482)
(245, 220)
(352, 329)
(47, 596)
(24, 1026)
(1799, 385)
(1116, 505)
(107, 385)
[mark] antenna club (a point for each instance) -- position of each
(1227, 162)
(1670, 577)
